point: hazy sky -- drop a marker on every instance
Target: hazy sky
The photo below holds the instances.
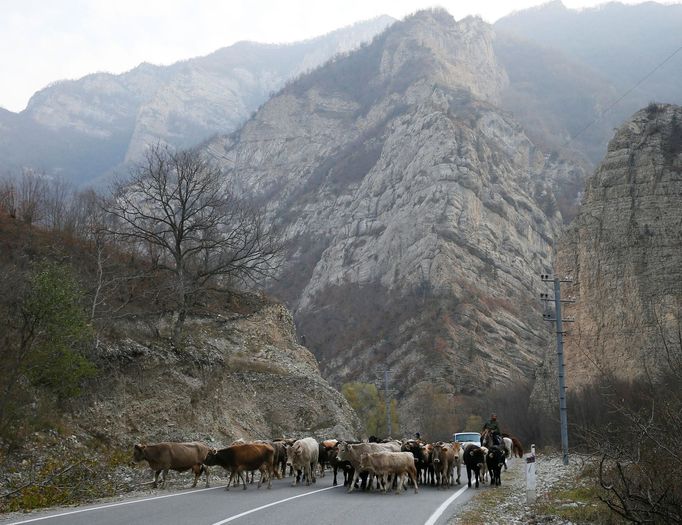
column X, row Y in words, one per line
column 46, row 40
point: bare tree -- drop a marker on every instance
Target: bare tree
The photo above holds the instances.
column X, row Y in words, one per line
column 30, row 196
column 58, row 203
column 177, row 210
column 8, row 196
column 633, row 425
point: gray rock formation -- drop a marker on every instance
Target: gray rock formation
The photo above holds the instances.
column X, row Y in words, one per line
column 624, row 251
column 419, row 214
column 240, row 376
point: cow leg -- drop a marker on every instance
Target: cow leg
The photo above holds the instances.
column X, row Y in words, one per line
column 313, row 472
column 156, row 478
column 196, row 470
column 414, row 482
column 270, row 473
column 165, row 473
column 207, row 472
column 356, row 475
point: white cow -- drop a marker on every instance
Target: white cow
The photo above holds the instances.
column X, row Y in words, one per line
column 303, row 455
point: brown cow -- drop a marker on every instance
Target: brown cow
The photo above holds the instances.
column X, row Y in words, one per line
column 446, row 456
column 180, row 457
column 280, row 460
column 245, row 457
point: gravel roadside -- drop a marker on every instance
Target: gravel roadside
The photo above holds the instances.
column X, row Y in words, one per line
column 506, row 504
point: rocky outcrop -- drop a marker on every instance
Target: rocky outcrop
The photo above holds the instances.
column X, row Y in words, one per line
column 419, row 215
column 238, row 376
column 624, row 251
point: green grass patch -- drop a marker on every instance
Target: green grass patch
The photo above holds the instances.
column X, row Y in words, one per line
column 579, row 504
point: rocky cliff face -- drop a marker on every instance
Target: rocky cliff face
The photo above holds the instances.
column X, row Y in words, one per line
column 102, row 120
column 418, row 214
column 624, row 251
column 239, row 376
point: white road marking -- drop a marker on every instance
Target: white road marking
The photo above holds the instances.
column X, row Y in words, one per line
column 434, row 517
column 114, row 505
column 237, row 516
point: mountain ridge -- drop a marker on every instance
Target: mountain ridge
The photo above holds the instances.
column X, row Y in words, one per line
column 413, row 206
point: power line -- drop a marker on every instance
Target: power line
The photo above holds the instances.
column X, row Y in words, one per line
column 613, row 104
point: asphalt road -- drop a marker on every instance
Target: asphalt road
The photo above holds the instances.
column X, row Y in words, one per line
column 321, row 503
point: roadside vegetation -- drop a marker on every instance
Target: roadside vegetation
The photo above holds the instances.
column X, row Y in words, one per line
column 63, row 471
column 167, row 242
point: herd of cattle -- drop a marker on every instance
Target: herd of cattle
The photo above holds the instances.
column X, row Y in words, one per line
column 382, row 464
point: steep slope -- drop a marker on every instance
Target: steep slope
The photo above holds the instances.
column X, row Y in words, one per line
column 417, row 212
column 239, row 376
column 624, row 251
column 84, row 128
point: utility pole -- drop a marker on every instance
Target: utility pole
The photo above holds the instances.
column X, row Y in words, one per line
column 389, row 430
column 560, row 352
column 386, row 372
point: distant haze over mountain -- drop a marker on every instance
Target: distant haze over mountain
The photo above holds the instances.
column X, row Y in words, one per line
column 621, row 43
column 82, row 129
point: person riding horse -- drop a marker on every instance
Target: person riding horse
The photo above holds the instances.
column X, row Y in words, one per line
column 492, row 430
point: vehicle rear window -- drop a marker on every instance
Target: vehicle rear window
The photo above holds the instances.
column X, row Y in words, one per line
column 467, row 437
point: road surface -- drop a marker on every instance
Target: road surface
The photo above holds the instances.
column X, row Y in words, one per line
column 321, row 503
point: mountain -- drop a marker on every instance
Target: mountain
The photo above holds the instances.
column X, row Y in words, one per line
column 624, row 252
column 621, row 44
column 82, row 129
column 418, row 213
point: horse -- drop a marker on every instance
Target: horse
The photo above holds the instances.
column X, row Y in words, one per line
column 488, row 441
column 517, row 447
